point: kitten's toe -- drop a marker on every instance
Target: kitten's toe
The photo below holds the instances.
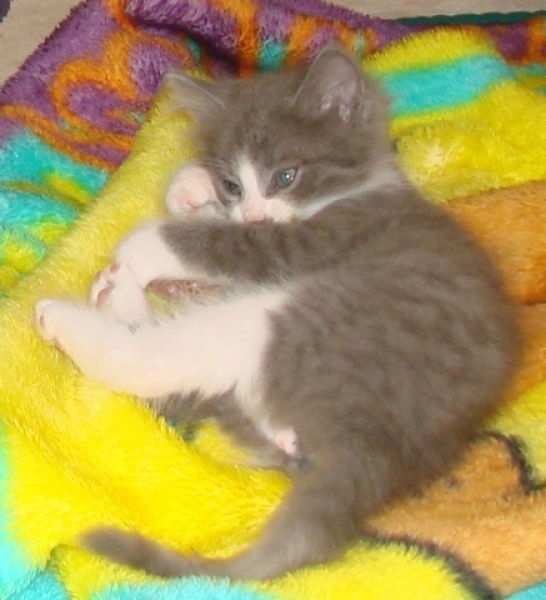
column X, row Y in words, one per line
column 101, row 286
column 117, row 291
column 47, row 314
column 287, row 441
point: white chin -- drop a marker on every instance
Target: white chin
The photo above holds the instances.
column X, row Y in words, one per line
column 276, row 210
column 280, row 211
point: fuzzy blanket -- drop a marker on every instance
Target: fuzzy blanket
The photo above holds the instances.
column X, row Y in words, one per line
column 469, row 117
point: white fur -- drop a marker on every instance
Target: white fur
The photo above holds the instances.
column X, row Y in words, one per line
column 191, row 192
column 256, row 207
column 287, row 440
column 210, row 349
column 148, row 256
column 254, row 203
column 280, row 210
column 116, row 291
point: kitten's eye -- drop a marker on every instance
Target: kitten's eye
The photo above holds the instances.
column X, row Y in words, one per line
column 232, row 188
column 285, row 177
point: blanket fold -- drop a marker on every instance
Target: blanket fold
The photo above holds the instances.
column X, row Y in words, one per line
column 85, row 157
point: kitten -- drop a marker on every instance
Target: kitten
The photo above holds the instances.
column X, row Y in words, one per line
column 364, row 327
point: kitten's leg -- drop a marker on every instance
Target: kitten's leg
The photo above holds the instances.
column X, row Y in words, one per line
column 220, row 251
column 146, row 254
column 103, row 347
column 216, row 252
column 191, row 193
column 211, row 349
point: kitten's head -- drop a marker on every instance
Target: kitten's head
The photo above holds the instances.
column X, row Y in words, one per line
column 286, row 144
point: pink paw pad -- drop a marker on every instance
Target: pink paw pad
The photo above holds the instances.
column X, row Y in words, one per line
column 287, row 441
column 103, row 284
column 45, row 319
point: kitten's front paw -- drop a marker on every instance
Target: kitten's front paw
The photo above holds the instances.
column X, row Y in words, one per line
column 47, row 317
column 191, row 193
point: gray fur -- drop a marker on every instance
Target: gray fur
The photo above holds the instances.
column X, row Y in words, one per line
column 398, row 340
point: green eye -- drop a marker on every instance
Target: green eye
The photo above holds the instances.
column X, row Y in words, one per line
column 285, row 177
column 232, row 188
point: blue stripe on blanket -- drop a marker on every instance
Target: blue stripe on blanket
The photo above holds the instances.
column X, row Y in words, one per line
column 45, row 586
column 537, row 592
column 25, row 210
column 26, row 159
column 443, row 86
column 196, row 588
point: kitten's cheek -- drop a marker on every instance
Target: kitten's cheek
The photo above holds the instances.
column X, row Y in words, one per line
column 281, row 211
column 237, row 214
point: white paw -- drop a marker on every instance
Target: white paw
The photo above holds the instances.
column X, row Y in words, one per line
column 48, row 315
column 102, row 286
column 116, row 290
column 191, row 192
column 287, row 441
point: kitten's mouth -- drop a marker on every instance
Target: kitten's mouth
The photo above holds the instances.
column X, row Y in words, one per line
column 260, row 220
column 269, row 219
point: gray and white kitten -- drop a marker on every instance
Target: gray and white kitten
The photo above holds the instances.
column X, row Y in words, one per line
column 367, row 333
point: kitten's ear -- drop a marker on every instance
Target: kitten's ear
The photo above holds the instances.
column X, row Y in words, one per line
column 333, row 83
column 198, row 97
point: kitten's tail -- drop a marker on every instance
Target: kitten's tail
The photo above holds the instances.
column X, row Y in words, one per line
column 314, row 524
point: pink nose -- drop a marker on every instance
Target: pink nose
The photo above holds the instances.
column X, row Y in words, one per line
column 253, row 215
column 254, row 208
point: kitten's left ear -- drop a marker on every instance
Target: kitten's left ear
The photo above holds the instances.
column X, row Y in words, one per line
column 200, row 98
column 332, row 83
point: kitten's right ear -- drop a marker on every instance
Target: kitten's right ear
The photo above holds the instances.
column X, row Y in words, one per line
column 333, row 83
column 196, row 96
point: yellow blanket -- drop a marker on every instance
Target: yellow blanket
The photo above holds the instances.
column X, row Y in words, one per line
column 75, row 455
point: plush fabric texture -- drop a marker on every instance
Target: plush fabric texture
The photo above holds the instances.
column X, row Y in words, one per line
column 465, row 120
column 74, row 455
column 4, row 8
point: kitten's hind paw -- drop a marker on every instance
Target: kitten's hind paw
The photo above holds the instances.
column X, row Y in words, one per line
column 47, row 314
column 117, row 291
column 102, row 286
column 287, row 441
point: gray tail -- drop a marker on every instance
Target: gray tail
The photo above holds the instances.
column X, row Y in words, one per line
column 314, row 524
